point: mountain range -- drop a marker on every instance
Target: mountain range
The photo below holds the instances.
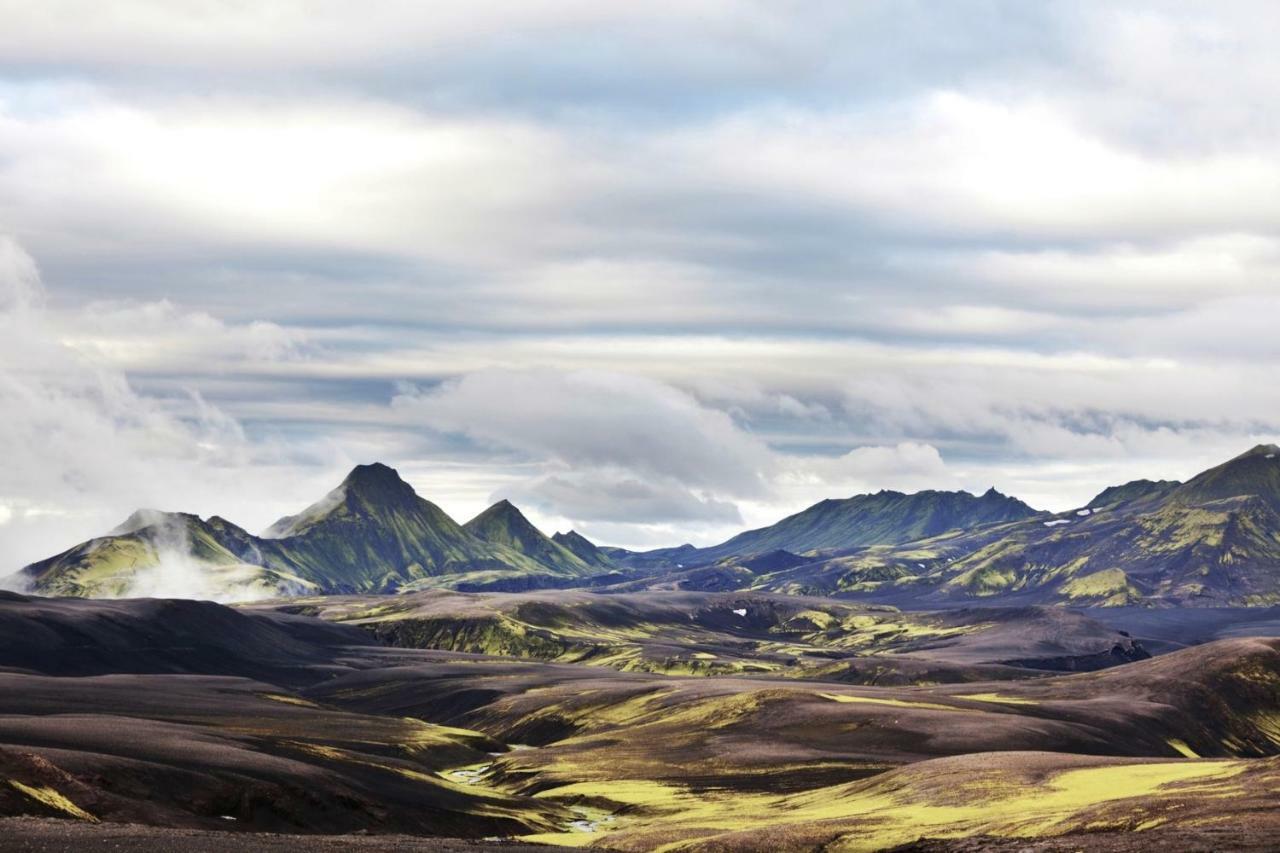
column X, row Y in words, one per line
column 1214, row 540
column 372, row 533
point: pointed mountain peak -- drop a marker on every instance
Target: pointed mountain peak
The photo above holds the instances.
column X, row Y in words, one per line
column 374, row 479
column 992, row 492
column 503, row 514
column 364, row 491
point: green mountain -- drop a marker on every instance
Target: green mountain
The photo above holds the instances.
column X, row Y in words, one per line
column 583, row 548
column 504, row 525
column 375, row 534
column 157, row 554
column 372, row 533
column 882, row 518
column 1213, row 541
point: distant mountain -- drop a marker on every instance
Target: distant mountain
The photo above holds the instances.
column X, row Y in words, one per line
column 1212, row 541
column 1255, row 472
column 159, row 554
column 1136, row 490
column 583, row 548
column 884, row 518
column 372, row 533
column 504, row 525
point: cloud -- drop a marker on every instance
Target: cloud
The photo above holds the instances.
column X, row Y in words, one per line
column 654, row 451
column 803, row 248
column 82, row 446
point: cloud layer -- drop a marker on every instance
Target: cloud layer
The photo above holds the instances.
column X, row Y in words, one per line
column 655, row 272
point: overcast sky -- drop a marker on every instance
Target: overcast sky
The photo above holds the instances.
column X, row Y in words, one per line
column 656, row 271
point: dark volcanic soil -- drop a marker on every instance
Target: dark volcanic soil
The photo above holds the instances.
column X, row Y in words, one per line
column 213, row 726
column 35, row 835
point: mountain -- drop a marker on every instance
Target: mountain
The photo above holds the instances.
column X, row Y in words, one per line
column 1135, row 490
column 884, row 518
column 372, row 533
column 504, row 525
column 157, row 553
column 1255, row 472
column 583, row 548
column 1212, row 541
column 375, row 533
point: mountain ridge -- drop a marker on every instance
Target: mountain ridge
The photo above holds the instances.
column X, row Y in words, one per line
column 880, row 518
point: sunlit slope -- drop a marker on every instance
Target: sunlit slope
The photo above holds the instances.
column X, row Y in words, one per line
column 1212, row 541
column 752, row 764
column 1015, row 795
column 167, row 553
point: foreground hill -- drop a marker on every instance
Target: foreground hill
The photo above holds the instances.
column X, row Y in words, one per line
column 372, row 533
column 196, row 719
column 1212, row 541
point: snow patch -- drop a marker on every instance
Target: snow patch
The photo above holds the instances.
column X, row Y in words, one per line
column 1057, row 521
column 742, row 612
column 1084, row 512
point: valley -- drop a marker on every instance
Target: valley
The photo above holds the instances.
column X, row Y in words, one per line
column 938, row 671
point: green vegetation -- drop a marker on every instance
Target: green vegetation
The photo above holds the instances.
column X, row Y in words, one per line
column 49, row 797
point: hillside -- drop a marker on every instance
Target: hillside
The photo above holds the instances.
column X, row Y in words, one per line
column 884, row 518
column 1213, row 541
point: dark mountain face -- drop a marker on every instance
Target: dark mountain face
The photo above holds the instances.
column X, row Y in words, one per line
column 1136, row 490
column 1256, row 472
column 885, row 518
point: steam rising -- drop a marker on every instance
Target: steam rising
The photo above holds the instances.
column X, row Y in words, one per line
column 179, row 573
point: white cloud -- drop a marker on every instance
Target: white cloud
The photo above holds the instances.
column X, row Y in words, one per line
column 83, row 448
column 1034, row 241
column 614, row 443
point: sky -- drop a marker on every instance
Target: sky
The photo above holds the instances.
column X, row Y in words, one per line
column 654, row 271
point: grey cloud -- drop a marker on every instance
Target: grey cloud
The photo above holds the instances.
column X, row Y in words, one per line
column 805, row 242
